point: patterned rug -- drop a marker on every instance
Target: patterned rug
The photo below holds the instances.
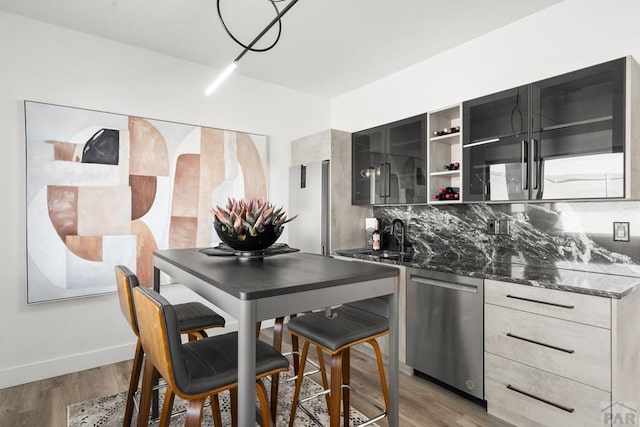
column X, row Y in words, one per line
column 108, row 411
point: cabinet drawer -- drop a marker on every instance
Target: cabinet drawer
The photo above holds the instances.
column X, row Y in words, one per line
column 573, row 350
column 582, row 308
column 526, row 396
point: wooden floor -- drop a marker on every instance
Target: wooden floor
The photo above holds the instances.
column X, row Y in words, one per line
column 44, row 403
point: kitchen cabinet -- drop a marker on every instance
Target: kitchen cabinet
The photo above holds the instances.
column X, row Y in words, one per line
column 389, row 163
column 559, row 358
column 445, row 155
column 566, row 137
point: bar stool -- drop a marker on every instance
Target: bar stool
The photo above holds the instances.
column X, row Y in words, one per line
column 278, row 328
column 197, row 369
column 193, row 319
column 336, row 331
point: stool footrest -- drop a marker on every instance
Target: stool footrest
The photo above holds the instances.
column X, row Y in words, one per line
column 313, row 396
column 362, row 396
column 365, row 397
column 307, row 373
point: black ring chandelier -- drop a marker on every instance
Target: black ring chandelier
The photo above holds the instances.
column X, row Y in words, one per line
column 250, row 46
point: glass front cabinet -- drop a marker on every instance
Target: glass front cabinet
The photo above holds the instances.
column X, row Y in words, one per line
column 560, row 138
column 389, row 163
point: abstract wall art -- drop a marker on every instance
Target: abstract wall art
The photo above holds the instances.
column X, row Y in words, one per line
column 106, row 189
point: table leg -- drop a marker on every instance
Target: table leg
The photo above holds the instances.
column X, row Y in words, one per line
column 275, row 379
column 394, row 364
column 155, row 400
column 247, row 364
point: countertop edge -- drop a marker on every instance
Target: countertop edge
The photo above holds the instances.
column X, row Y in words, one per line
column 536, row 283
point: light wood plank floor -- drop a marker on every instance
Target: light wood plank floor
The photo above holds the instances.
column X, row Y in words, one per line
column 44, row 403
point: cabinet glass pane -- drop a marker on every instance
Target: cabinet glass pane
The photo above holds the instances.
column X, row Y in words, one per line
column 407, row 162
column 497, row 116
column 578, row 134
column 578, row 101
column 572, row 163
column 367, row 156
column 496, row 171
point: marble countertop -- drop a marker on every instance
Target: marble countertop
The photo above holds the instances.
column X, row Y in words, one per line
column 596, row 280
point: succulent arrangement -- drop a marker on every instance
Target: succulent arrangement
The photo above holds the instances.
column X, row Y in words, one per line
column 249, row 217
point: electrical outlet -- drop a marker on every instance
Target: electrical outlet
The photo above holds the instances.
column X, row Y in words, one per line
column 492, row 226
column 621, row 231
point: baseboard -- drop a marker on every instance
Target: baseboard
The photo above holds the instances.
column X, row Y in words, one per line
column 44, row 369
column 23, row 374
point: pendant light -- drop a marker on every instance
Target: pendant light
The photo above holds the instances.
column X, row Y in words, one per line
column 250, row 47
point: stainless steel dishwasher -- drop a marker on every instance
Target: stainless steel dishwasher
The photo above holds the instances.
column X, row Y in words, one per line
column 445, row 327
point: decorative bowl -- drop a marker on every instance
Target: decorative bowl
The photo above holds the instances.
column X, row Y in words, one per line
column 249, row 225
column 248, row 243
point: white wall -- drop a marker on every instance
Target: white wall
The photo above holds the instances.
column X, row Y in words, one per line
column 570, row 35
column 50, row 64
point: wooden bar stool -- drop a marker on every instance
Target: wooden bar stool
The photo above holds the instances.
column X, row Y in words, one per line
column 197, row 369
column 193, row 319
column 336, row 331
column 278, row 329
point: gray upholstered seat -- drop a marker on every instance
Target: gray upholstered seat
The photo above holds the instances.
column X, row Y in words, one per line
column 195, row 316
column 347, row 325
column 212, row 362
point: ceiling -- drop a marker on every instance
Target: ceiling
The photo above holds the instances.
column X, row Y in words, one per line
column 327, row 47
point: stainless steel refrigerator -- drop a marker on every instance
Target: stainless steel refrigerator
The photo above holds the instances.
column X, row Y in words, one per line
column 309, row 198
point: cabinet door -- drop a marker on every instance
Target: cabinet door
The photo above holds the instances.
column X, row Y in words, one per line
column 496, row 170
column 578, row 134
column 496, row 116
column 367, row 163
column 405, row 178
column 496, row 146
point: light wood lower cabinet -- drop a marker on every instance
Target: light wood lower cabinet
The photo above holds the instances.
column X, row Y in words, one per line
column 574, row 350
column 524, row 395
column 553, row 358
column 581, row 308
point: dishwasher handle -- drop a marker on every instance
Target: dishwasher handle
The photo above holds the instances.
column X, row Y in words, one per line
column 462, row 287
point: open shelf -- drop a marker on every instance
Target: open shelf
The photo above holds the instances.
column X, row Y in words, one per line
column 445, row 172
column 448, row 138
column 444, row 150
column 444, row 202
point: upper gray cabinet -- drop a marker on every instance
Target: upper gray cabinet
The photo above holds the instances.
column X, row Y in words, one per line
column 389, row 163
column 566, row 137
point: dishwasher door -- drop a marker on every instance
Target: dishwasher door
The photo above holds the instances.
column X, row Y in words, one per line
column 445, row 327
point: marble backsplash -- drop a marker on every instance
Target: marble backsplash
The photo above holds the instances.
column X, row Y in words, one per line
column 571, row 235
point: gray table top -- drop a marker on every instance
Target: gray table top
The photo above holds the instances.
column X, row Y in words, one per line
column 272, row 276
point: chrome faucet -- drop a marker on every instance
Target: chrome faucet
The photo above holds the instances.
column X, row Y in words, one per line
column 393, row 233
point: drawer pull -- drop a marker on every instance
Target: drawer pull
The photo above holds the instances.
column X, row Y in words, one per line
column 548, row 402
column 509, row 334
column 542, row 302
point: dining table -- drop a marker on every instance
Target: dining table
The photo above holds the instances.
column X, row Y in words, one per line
column 252, row 290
